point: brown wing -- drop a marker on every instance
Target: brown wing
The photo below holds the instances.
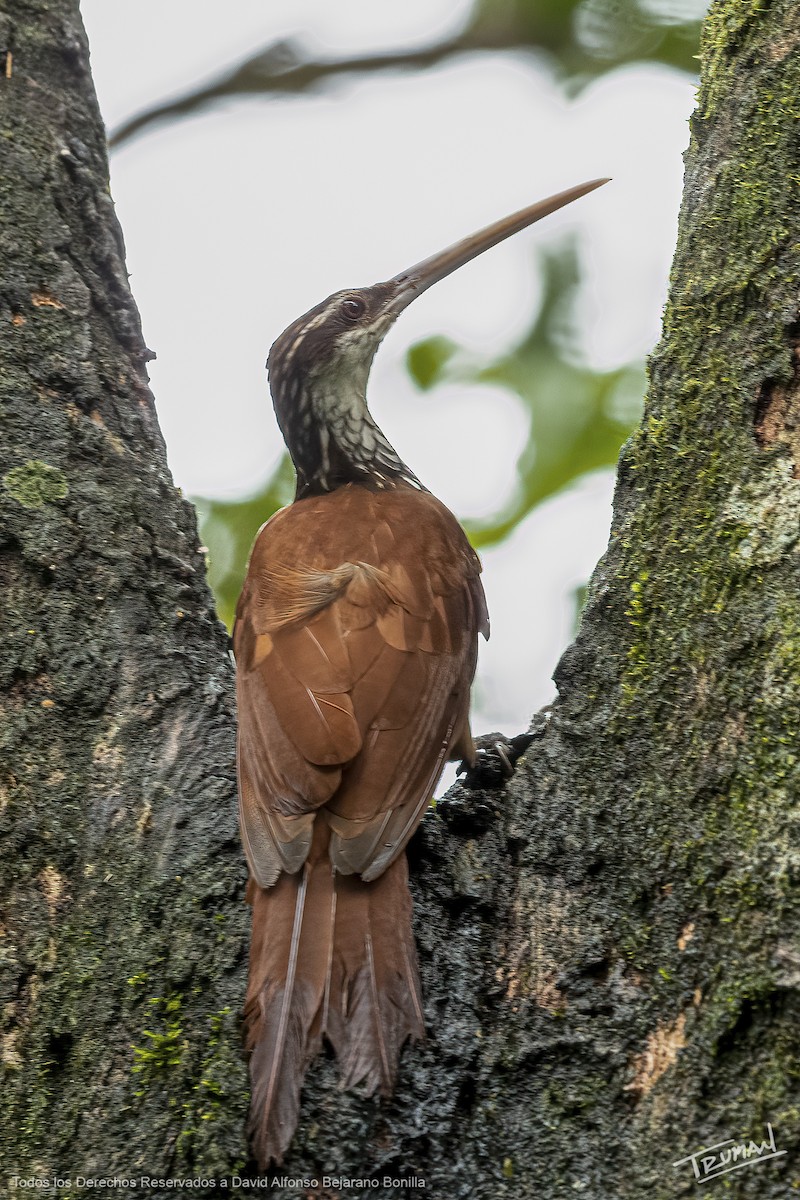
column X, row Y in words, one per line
column 356, row 641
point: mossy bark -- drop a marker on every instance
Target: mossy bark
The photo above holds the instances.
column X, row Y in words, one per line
column 609, row 943
column 121, row 872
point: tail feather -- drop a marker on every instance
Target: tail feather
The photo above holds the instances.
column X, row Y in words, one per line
column 375, row 993
column 331, row 956
column 283, row 999
column 286, row 1042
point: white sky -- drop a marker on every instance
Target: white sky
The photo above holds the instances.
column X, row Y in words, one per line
column 238, row 220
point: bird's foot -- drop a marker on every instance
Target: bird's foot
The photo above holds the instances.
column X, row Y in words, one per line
column 495, row 759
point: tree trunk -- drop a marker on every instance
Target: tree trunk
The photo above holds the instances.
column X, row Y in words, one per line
column 609, row 943
column 122, row 876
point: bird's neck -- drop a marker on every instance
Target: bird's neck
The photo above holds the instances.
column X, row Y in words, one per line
column 335, row 440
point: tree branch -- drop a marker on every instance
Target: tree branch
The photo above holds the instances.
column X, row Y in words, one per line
column 283, row 70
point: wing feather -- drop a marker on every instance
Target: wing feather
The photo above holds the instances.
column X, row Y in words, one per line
column 321, row 725
column 354, row 674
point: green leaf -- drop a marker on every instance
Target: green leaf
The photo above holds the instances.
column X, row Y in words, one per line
column 426, row 361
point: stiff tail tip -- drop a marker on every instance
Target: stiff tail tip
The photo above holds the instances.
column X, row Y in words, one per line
column 333, row 958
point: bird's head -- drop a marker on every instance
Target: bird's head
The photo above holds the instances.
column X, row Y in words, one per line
column 331, row 346
column 319, row 366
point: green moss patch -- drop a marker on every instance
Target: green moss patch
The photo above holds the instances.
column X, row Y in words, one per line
column 35, row 484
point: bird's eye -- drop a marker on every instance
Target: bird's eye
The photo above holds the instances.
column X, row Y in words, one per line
column 353, row 308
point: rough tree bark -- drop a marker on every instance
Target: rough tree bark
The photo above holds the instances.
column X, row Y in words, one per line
column 609, row 943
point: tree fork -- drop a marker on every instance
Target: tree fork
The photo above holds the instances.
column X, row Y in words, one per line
column 609, row 943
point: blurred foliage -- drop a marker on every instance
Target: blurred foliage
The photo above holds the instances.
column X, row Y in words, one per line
column 583, row 38
column 587, row 37
column 578, row 421
column 578, row 418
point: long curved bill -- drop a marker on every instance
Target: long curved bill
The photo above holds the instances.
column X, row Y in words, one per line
column 419, row 278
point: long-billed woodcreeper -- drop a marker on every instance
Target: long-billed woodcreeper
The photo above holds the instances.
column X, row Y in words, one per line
column 356, row 643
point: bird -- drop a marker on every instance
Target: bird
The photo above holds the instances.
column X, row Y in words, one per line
column 356, row 640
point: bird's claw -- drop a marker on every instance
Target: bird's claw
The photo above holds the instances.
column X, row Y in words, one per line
column 502, row 749
column 495, row 759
